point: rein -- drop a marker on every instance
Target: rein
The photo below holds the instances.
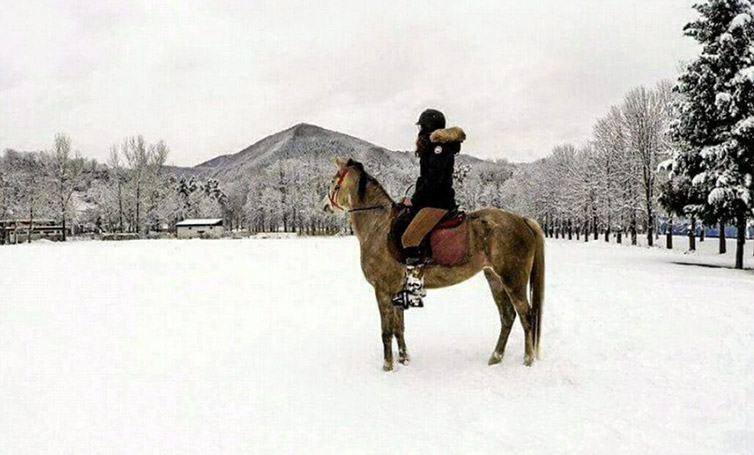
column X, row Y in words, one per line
column 371, row 207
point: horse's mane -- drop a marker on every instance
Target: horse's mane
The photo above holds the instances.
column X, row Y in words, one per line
column 365, row 179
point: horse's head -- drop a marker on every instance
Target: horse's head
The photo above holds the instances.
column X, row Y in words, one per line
column 345, row 185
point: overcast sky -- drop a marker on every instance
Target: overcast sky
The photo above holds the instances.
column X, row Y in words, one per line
column 211, row 77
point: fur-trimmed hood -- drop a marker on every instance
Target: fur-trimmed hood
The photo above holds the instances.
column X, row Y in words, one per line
column 453, row 134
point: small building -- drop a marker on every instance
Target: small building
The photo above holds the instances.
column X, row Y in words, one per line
column 17, row 231
column 198, row 228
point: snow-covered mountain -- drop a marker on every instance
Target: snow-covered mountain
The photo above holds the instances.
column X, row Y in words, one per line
column 302, row 141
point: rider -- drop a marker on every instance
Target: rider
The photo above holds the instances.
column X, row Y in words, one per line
column 434, row 198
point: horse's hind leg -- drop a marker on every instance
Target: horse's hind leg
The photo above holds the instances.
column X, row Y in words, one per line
column 520, row 302
column 507, row 314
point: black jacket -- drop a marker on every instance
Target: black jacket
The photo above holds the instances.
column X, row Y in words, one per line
column 434, row 188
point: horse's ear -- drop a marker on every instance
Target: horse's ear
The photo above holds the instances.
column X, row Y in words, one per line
column 355, row 164
column 340, row 162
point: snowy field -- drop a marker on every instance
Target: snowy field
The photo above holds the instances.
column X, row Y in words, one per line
column 273, row 346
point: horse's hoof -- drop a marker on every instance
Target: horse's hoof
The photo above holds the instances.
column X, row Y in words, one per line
column 387, row 366
column 528, row 360
column 404, row 358
column 495, row 358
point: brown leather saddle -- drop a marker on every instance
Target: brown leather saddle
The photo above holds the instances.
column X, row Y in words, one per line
column 446, row 244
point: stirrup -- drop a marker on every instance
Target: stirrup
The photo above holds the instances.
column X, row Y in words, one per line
column 406, row 299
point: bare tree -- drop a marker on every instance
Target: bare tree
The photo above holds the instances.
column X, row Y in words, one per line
column 646, row 117
column 609, row 146
column 146, row 164
column 117, row 176
column 66, row 172
column 32, row 194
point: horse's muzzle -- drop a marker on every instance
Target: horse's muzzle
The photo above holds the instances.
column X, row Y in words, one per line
column 326, row 205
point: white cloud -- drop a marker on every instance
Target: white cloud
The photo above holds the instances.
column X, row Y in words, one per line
column 211, row 77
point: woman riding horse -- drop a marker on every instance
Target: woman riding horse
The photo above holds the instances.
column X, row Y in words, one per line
column 510, row 249
column 433, row 199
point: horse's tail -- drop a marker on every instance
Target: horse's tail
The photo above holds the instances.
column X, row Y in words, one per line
column 537, row 282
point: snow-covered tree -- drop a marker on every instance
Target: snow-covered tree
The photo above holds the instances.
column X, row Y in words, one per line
column 66, row 172
column 609, row 147
column 715, row 124
column 646, row 116
column 146, row 179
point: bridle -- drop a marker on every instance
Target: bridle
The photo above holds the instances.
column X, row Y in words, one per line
column 333, row 196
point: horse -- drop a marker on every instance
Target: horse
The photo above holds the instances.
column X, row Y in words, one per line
column 508, row 248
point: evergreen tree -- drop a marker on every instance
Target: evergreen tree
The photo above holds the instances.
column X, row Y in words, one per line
column 715, row 122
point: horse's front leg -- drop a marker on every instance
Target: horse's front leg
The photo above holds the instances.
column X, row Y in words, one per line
column 398, row 329
column 387, row 317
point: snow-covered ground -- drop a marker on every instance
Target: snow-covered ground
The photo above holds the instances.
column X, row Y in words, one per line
column 706, row 253
column 273, row 346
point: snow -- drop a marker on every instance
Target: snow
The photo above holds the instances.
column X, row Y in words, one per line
column 699, row 178
column 718, row 195
column 710, row 151
column 740, row 21
column 744, row 127
column 665, row 165
column 273, row 346
column 721, row 99
column 747, row 73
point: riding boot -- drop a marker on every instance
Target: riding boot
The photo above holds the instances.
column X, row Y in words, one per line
column 415, row 280
column 413, row 288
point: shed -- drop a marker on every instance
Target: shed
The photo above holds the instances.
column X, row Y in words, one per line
column 199, row 227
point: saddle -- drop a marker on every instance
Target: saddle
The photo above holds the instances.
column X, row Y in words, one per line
column 446, row 244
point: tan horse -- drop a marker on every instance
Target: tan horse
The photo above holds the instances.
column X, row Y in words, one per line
column 507, row 247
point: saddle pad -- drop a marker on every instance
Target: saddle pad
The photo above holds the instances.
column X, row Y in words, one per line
column 448, row 241
column 450, row 246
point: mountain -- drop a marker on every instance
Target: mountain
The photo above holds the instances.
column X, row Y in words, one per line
column 301, row 141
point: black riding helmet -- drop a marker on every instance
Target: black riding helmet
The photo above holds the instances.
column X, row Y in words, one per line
column 430, row 120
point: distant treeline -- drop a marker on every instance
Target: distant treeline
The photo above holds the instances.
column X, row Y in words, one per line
column 135, row 192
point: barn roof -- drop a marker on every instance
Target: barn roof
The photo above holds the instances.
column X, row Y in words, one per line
column 201, row 222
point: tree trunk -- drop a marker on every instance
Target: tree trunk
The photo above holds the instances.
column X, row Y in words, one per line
column 608, row 228
column 632, row 229
column 634, row 234
column 692, row 234
column 669, row 235
column 721, row 237
column 570, row 229
column 31, row 224
column 138, row 207
column 702, row 233
column 650, row 230
column 620, row 239
column 741, row 239
column 120, row 208
column 63, row 226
